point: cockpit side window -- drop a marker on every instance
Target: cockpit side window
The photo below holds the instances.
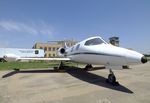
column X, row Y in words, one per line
column 94, row 41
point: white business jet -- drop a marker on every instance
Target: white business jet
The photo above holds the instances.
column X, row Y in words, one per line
column 95, row 50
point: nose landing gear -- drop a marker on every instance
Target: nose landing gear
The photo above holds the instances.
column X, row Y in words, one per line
column 112, row 79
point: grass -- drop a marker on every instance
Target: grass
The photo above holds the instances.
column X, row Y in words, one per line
column 31, row 65
column 148, row 58
column 25, row 65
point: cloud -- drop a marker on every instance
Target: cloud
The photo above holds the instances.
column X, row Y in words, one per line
column 34, row 28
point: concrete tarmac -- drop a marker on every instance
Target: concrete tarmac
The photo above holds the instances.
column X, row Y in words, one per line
column 75, row 86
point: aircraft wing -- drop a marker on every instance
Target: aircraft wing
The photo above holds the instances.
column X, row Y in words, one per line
column 46, row 59
column 15, row 58
column 12, row 57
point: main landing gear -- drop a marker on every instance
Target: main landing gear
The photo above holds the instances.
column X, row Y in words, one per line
column 60, row 67
column 112, row 79
column 88, row 67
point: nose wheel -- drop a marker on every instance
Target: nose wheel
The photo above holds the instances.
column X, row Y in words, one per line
column 112, row 79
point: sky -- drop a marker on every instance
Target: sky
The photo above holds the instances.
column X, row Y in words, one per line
column 25, row 22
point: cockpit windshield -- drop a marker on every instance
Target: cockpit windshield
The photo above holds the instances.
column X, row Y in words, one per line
column 95, row 41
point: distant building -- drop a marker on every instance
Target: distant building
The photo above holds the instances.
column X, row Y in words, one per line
column 52, row 47
column 114, row 41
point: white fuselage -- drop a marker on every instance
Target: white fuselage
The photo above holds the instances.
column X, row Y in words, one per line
column 102, row 54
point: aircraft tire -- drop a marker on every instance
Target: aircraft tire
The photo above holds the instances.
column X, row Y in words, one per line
column 88, row 67
column 111, row 78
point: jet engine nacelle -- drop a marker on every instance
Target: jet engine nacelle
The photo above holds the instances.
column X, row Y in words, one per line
column 10, row 57
column 61, row 52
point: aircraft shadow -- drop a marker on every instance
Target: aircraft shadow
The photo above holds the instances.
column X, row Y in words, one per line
column 15, row 71
column 95, row 79
column 77, row 73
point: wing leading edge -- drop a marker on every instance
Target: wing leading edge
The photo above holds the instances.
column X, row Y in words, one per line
column 46, row 59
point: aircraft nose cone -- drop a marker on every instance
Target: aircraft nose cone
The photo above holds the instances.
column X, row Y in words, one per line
column 143, row 59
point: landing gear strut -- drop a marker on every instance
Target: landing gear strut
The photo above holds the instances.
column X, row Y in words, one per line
column 60, row 66
column 88, row 67
column 111, row 78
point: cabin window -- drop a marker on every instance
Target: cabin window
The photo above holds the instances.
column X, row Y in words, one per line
column 36, row 52
column 94, row 41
